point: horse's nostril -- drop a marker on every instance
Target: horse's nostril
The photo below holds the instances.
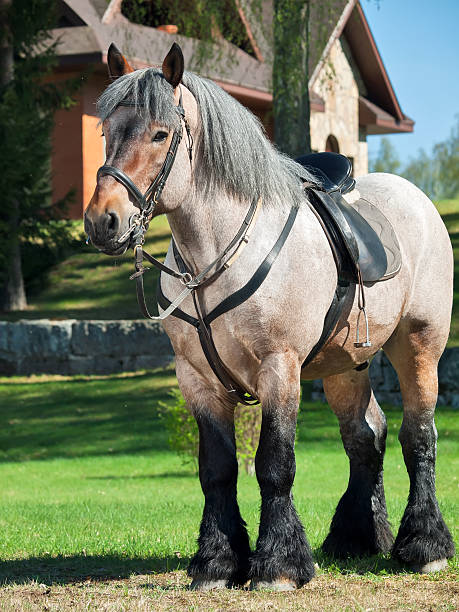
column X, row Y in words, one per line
column 113, row 222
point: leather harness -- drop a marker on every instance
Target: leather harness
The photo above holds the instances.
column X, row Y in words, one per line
column 138, row 225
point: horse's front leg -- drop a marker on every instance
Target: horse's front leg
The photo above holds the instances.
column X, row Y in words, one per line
column 223, row 554
column 283, row 559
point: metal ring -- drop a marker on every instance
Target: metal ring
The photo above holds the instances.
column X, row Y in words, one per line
column 186, row 278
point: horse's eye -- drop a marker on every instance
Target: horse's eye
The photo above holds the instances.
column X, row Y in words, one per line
column 159, row 137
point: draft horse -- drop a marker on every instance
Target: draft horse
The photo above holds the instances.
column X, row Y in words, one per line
column 177, row 144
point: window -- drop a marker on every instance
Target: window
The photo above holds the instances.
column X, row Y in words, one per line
column 332, row 145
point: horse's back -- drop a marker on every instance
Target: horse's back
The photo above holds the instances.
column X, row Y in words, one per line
column 425, row 245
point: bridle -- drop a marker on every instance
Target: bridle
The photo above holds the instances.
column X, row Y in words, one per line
column 146, row 202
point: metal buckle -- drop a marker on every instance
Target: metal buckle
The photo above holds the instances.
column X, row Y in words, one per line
column 186, row 278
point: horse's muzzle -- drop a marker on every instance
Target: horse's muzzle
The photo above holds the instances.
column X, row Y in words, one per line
column 105, row 231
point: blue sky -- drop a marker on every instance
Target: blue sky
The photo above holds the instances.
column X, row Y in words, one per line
column 419, row 43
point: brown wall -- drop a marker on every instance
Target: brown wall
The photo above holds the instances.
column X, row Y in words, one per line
column 78, row 146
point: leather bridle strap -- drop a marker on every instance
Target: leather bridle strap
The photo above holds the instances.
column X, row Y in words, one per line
column 147, row 201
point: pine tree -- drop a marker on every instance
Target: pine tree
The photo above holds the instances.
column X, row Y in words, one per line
column 27, row 105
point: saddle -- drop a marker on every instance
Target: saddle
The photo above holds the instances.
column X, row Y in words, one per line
column 361, row 237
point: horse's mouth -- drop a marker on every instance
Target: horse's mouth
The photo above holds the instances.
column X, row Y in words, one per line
column 116, row 249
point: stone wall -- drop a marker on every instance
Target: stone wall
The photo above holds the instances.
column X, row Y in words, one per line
column 384, row 380
column 82, row 347
column 105, row 347
column 337, row 86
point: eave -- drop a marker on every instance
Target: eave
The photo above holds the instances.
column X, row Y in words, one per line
column 368, row 59
column 378, row 121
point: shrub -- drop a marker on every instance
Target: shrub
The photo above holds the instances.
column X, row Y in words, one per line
column 181, row 427
column 184, row 437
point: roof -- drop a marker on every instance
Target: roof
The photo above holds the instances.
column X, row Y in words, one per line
column 91, row 25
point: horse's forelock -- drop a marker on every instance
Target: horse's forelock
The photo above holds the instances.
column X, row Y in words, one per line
column 148, row 90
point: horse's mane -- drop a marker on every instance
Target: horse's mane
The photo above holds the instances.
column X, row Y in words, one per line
column 233, row 152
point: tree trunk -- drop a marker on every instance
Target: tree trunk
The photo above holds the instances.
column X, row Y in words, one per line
column 291, row 76
column 12, row 295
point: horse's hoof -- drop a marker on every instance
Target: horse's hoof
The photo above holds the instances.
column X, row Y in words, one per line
column 432, row 566
column 281, row 584
column 201, row 584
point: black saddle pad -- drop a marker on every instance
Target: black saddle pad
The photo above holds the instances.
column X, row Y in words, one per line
column 364, row 232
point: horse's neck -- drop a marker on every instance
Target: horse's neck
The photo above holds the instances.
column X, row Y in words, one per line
column 204, row 228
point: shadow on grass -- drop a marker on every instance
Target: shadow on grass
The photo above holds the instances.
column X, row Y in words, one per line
column 184, row 474
column 81, row 417
column 376, row 564
column 81, row 568
column 65, row 570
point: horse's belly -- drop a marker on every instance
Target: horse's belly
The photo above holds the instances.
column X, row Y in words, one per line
column 384, row 307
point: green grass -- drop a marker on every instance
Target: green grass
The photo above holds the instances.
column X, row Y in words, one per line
column 89, row 285
column 90, row 488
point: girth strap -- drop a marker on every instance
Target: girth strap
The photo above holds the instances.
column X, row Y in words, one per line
column 203, row 322
column 331, row 319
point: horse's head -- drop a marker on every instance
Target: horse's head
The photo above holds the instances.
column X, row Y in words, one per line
column 146, row 115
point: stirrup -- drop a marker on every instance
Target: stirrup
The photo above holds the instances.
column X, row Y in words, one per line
column 361, row 303
column 367, row 342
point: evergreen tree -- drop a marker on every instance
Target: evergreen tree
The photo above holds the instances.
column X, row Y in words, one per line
column 446, row 156
column 386, row 160
column 27, row 106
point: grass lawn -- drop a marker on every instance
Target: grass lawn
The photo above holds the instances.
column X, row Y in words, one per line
column 96, row 512
column 89, row 285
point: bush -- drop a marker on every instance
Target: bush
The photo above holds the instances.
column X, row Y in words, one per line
column 181, row 427
column 55, row 241
column 184, row 437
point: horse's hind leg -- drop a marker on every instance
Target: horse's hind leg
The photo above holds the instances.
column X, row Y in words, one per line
column 359, row 526
column 223, row 554
column 423, row 541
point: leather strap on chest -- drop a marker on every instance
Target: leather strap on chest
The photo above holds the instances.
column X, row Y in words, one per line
column 202, row 322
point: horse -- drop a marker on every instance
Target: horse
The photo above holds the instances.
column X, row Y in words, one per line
column 206, row 183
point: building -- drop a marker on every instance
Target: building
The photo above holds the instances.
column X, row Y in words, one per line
column 350, row 91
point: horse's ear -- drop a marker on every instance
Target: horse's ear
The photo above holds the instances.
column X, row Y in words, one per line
column 174, row 65
column 117, row 63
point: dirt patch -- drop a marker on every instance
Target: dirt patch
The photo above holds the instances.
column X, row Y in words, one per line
column 168, row 591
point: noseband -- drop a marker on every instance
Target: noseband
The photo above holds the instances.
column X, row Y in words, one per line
column 146, row 202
